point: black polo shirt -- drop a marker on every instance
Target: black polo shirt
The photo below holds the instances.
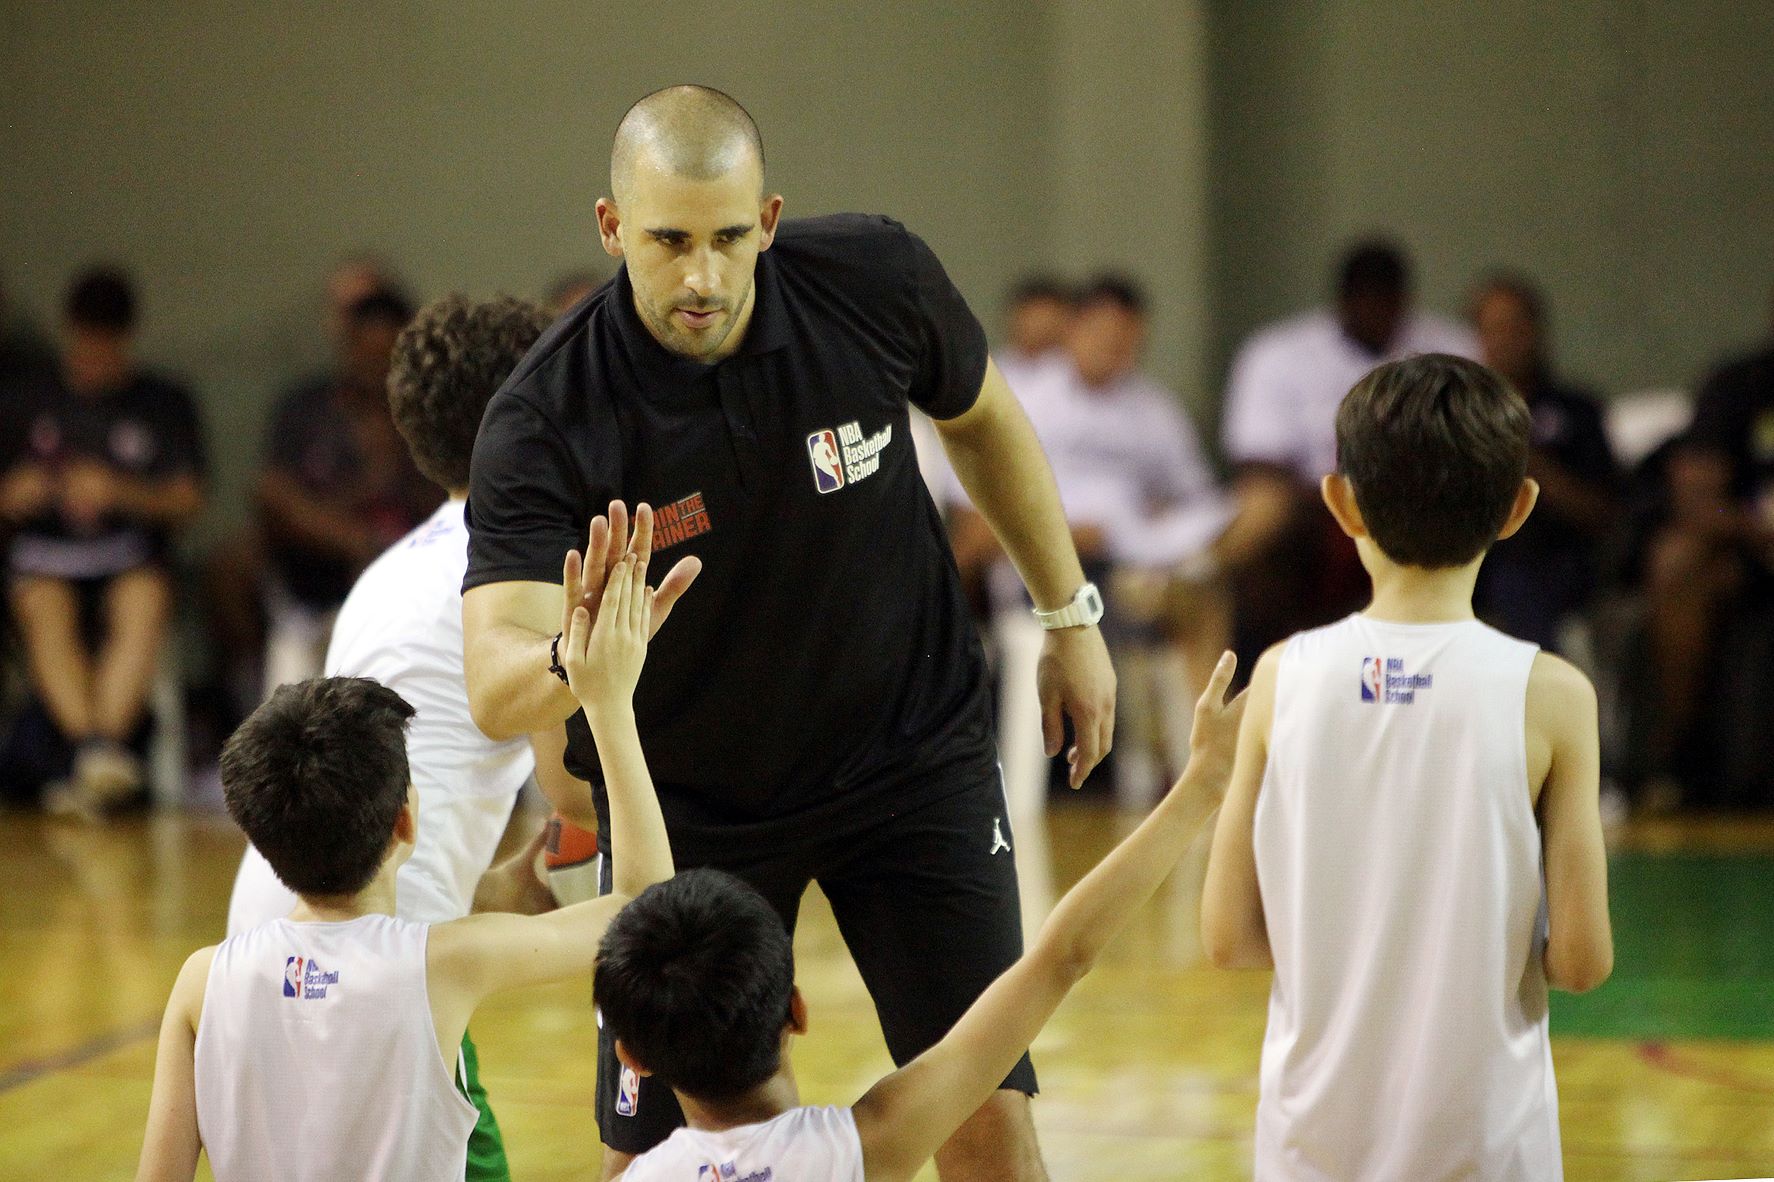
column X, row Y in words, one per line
column 824, row 666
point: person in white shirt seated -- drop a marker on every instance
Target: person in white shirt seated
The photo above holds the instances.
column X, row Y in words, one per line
column 1292, row 568
column 1146, row 512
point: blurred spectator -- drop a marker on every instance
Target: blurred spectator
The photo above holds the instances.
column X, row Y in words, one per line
column 568, row 290
column 1292, row 568
column 102, row 462
column 1145, row 513
column 1537, row 579
column 337, row 489
column 1038, row 322
column 235, row 575
column 1710, row 585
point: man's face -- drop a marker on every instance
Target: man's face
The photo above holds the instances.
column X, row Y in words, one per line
column 692, row 250
column 1372, row 316
column 1105, row 341
column 1038, row 324
column 1507, row 335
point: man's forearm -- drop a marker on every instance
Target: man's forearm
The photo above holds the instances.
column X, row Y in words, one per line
column 510, row 689
column 1000, row 463
column 640, row 851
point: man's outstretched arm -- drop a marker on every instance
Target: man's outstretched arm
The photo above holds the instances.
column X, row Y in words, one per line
column 904, row 1118
column 1000, row 463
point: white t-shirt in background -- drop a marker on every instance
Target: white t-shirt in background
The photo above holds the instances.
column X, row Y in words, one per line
column 1288, row 378
column 402, row 626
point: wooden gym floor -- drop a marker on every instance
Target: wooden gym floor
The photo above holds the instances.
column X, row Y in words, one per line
column 1148, row 1072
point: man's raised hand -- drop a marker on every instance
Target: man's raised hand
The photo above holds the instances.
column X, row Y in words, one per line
column 603, row 659
column 584, row 577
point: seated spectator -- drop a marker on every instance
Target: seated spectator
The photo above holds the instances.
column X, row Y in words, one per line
column 1145, row 512
column 337, row 489
column 1709, row 567
column 1291, row 567
column 1039, row 320
column 102, row 462
column 568, row 290
column 1534, row 581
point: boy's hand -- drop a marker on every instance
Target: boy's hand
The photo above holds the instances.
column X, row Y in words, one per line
column 1213, row 741
column 603, row 660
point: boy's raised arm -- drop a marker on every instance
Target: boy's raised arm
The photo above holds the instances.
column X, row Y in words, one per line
column 482, row 954
column 171, row 1146
column 904, row 1118
column 1580, row 939
column 1233, row 931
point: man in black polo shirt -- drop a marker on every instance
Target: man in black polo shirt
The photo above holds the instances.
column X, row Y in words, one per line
column 822, row 714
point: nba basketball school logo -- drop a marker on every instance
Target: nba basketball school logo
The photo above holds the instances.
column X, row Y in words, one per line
column 1383, row 679
column 846, row 455
column 305, row 980
column 728, row 1171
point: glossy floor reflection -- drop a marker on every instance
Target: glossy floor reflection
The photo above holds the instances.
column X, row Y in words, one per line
column 1148, row 1072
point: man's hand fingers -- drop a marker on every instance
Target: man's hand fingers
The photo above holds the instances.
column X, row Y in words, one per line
column 641, row 545
column 597, row 550
column 618, row 535
column 1088, row 749
column 637, row 592
column 1053, row 730
column 676, row 582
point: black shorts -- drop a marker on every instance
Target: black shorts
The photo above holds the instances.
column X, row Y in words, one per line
column 927, row 903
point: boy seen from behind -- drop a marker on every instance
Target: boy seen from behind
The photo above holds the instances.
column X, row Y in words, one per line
column 1412, row 837
column 695, row 981
column 333, row 1037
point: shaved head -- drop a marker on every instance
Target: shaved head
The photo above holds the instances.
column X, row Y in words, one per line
column 694, row 132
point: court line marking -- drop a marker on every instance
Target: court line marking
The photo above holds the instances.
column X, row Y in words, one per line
column 1661, row 1057
column 32, row 1070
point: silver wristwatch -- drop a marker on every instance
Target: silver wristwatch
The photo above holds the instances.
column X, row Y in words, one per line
column 1085, row 609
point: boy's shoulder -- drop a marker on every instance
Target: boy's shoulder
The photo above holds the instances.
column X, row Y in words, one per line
column 1559, row 693
column 193, row 980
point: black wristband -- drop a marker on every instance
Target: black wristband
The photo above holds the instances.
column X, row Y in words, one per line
column 554, row 661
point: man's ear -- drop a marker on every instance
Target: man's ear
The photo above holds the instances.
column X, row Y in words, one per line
column 797, row 1012
column 629, row 1061
column 768, row 217
column 1339, row 498
column 609, row 221
column 1526, row 497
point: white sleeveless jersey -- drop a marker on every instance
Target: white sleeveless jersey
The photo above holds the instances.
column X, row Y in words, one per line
column 1399, row 861
column 317, row 1057
column 801, row 1145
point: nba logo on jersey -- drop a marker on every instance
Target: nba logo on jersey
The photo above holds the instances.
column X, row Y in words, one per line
column 713, row 1173
column 1372, row 679
column 828, row 469
column 292, row 977
column 628, row 1093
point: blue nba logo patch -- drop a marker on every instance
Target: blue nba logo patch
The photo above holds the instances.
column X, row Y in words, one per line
column 1372, row 679
column 828, row 467
column 628, row 1093
column 292, row 977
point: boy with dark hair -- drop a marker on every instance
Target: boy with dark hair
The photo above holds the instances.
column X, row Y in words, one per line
column 333, row 1037
column 695, row 983
column 1413, row 792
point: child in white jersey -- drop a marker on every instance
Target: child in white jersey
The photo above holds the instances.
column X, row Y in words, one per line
column 1412, row 837
column 328, row 1044
column 695, row 980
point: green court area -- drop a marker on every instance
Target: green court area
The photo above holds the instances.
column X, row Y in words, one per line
column 1693, row 951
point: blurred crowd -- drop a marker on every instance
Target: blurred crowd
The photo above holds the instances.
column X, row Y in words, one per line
column 1649, row 561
